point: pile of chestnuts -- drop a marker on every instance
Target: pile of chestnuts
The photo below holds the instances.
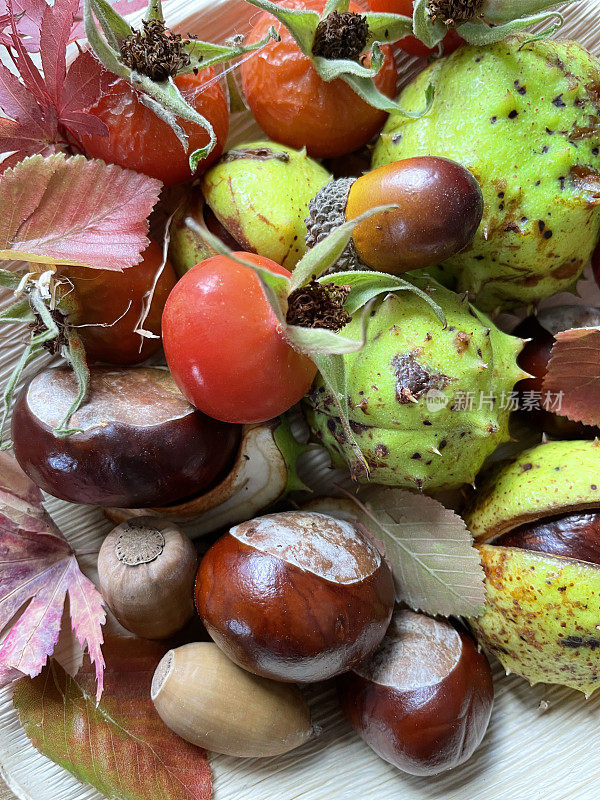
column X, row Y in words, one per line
column 294, row 598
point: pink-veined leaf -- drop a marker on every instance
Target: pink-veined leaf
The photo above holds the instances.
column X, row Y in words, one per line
column 38, row 569
column 122, row 747
column 572, row 382
column 60, row 210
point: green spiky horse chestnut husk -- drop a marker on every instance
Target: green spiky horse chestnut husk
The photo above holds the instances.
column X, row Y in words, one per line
column 523, row 116
column 410, row 391
column 259, row 192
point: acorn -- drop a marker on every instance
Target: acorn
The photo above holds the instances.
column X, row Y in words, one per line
column 423, row 700
column 254, row 199
column 296, row 596
column 209, row 701
column 536, row 522
column 540, row 329
column 146, row 568
column 439, row 208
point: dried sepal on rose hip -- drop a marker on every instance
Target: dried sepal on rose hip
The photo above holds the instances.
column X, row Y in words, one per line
column 536, row 522
column 330, row 81
column 482, row 22
column 152, row 57
column 260, row 358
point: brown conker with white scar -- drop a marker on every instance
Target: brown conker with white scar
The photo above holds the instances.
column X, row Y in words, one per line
column 139, row 442
column 296, row 596
column 423, row 700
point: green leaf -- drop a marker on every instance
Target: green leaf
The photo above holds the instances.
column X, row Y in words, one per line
column 121, row 746
column 482, row 34
column 300, row 23
column 276, row 287
column 313, row 341
column 366, row 89
column 324, row 254
column 333, row 372
column 9, row 279
column 388, row 27
column 205, row 54
column 114, row 26
column 17, row 312
column 331, row 68
column 430, row 33
column 430, row 549
column 335, row 5
column 74, row 353
column 367, row 285
column 154, row 11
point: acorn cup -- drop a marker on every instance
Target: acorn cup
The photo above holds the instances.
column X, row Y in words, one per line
column 264, row 470
column 536, row 522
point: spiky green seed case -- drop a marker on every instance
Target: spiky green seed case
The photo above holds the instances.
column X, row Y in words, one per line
column 408, row 360
column 541, row 613
column 524, row 118
column 263, row 200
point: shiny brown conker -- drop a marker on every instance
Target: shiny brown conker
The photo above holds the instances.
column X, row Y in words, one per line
column 541, row 329
column 423, row 700
column 140, row 442
column 296, row 596
column 440, row 206
column 572, row 535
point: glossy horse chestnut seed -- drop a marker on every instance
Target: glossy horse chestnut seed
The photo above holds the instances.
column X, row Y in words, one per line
column 572, row 535
column 440, row 206
column 296, row 596
column 423, row 700
column 140, row 442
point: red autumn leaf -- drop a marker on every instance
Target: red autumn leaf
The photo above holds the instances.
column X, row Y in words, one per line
column 121, row 747
column 28, row 15
column 47, row 110
column 572, row 382
column 38, row 569
column 103, row 212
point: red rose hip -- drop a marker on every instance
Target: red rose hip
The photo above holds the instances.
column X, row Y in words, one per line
column 297, row 596
column 424, row 698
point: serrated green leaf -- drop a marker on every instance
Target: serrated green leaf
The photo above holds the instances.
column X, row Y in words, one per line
column 481, row 34
column 205, row 54
column 300, row 23
column 324, row 254
column 333, row 372
column 431, row 551
column 388, row 27
column 365, row 286
column 430, row 33
column 276, row 287
column 366, row 89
